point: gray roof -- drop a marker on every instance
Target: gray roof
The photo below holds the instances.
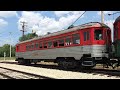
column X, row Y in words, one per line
column 75, row 28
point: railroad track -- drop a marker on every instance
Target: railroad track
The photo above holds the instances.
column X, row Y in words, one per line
column 3, row 76
column 94, row 71
column 14, row 74
column 102, row 72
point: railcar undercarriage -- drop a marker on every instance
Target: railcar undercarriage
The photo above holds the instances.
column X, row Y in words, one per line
column 70, row 63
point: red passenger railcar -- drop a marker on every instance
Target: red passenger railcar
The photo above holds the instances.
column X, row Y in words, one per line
column 83, row 45
column 117, row 29
column 117, row 38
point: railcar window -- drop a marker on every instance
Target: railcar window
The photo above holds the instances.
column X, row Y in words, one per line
column 98, row 34
column 76, row 39
column 40, row 46
column 50, row 44
column 36, row 45
column 29, row 46
column 55, row 43
column 85, row 33
column 68, row 41
column 61, row 42
column 32, row 46
column 86, row 36
column 26, row 47
column 45, row 45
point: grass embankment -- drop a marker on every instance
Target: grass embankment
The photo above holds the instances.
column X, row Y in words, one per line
column 7, row 58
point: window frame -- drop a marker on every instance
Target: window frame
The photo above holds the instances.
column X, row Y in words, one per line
column 62, row 38
column 33, row 45
column 45, row 44
column 75, row 40
column 40, row 45
column 56, row 40
column 37, row 45
column 48, row 44
column 71, row 41
column 100, row 29
column 86, row 37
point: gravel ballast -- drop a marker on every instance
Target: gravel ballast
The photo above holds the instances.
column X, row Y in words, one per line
column 57, row 74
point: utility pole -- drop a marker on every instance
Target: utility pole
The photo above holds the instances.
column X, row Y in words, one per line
column 23, row 28
column 4, row 55
column 102, row 17
column 10, row 44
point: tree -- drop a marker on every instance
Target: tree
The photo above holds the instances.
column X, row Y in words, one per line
column 13, row 51
column 1, row 52
column 6, row 48
column 28, row 36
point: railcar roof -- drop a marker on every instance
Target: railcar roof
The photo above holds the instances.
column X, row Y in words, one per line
column 75, row 28
column 117, row 19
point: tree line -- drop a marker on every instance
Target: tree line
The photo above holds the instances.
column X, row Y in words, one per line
column 6, row 48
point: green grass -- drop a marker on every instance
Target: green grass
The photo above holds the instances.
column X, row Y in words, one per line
column 7, row 58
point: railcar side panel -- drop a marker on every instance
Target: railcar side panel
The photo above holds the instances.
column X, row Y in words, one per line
column 76, row 52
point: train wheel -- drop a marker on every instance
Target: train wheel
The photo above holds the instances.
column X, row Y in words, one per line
column 35, row 63
column 67, row 64
column 27, row 62
column 21, row 61
column 60, row 64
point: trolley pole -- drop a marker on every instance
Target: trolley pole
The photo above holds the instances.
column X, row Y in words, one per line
column 102, row 17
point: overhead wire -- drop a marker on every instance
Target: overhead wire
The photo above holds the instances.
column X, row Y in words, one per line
column 76, row 20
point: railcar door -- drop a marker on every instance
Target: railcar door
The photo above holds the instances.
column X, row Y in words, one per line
column 86, row 37
column 108, row 40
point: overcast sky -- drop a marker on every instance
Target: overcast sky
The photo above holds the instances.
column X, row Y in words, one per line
column 45, row 21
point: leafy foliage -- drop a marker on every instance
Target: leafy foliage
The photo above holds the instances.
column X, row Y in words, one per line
column 28, row 36
column 6, row 48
